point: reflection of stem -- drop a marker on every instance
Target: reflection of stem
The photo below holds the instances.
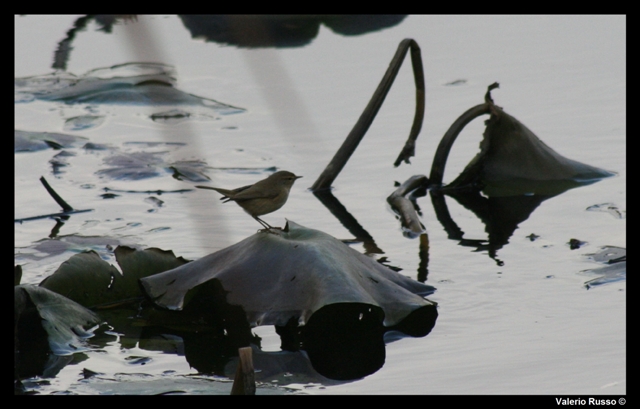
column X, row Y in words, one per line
column 56, row 228
column 61, row 55
column 423, row 267
column 444, row 217
column 347, row 220
column 350, row 144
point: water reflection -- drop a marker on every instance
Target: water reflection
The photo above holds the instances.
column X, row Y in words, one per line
column 511, row 176
column 500, row 215
column 324, row 298
column 254, row 31
column 250, row 31
column 338, row 346
column 348, row 221
column 131, row 84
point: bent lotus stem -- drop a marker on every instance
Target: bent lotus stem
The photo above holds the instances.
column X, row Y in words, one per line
column 442, row 153
column 350, row 144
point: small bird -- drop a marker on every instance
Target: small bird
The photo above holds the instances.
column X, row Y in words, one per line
column 263, row 197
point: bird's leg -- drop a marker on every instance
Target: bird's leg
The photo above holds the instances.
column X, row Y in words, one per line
column 263, row 223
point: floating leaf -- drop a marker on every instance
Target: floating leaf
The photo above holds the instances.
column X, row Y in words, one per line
column 610, row 208
column 91, row 281
column 83, row 122
column 278, row 275
column 192, row 170
column 63, row 319
column 322, row 296
column 126, row 84
column 615, row 270
column 25, row 141
column 133, row 166
column 145, row 165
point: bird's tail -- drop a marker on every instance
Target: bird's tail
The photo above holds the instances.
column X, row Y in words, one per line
column 223, row 192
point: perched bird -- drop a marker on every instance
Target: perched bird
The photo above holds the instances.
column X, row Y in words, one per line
column 263, row 197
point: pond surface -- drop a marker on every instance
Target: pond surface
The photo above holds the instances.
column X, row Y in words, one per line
column 522, row 322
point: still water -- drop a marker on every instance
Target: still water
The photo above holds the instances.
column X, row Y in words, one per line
column 523, row 322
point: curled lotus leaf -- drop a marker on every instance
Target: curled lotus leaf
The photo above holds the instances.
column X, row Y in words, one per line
column 281, row 275
column 512, row 159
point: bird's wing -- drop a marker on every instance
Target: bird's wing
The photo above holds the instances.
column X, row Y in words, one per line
column 255, row 191
column 252, row 194
column 233, row 194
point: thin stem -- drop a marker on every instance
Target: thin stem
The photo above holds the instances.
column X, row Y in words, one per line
column 65, row 206
column 350, row 144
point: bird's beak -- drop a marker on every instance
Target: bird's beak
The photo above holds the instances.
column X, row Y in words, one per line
column 298, row 177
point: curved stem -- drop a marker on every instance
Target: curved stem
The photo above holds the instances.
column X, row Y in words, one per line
column 350, row 144
column 442, row 153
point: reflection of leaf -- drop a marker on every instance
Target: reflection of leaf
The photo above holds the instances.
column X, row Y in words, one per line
column 62, row 318
column 610, row 208
column 174, row 116
column 609, row 254
column 126, row 84
column 190, row 170
column 72, row 244
column 145, row 165
column 280, row 30
column 132, row 166
column 91, row 281
column 615, row 270
column 79, row 123
column 59, row 161
column 35, row 141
